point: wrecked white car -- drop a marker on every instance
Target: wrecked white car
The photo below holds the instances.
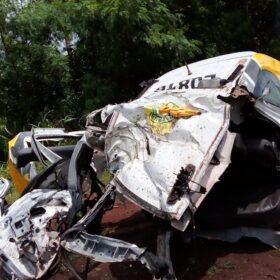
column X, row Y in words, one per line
column 199, row 149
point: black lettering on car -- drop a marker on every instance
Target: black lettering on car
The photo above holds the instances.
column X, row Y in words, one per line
column 171, row 87
column 212, row 76
column 195, row 81
column 184, row 84
column 160, row 88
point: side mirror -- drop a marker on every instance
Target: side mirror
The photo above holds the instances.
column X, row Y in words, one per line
column 4, row 187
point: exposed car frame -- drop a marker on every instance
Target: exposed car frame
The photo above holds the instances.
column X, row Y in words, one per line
column 178, row 152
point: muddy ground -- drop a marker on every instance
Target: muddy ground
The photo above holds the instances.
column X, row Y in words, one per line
column 248, row 259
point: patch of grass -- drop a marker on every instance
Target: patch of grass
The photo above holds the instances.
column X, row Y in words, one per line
column 4, row 172
column 5, row 136
column 106, row 177
column 212, row 271
column 275, row 252
column 13, row 195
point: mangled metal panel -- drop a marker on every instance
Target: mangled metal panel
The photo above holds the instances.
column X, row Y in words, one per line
column 27, row 147
column 4, row 187
column 166, row 150
column 178, row 122
column 29, row 239
column 261, row 78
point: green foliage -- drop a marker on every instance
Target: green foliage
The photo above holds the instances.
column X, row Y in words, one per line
column 34, row 75
column 5, row 136
column 61, row 59
column 230, row 26
column 70, row 57
column 4, row 172
column 128, row 41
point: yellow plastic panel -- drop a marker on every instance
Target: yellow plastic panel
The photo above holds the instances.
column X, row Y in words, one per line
column 268, row 63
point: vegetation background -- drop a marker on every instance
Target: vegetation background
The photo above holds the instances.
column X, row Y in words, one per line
column 61, row 59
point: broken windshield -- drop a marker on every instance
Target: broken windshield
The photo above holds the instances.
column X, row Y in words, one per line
column 272, row 94
column 264, row 78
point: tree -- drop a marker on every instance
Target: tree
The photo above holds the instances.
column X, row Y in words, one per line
column 68, row 57
column 61, row 59
column 231, row 26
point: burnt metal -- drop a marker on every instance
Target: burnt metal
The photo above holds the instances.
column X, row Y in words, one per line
column 181, row 185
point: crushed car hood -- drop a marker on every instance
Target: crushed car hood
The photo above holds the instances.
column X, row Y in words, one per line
column 176, row 126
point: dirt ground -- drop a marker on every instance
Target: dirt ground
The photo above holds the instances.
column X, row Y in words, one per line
column 248, row 259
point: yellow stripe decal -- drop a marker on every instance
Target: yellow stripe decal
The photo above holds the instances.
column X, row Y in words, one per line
column 17, row 178
column 13, row 141
column 19, row 181
column 268, row 63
